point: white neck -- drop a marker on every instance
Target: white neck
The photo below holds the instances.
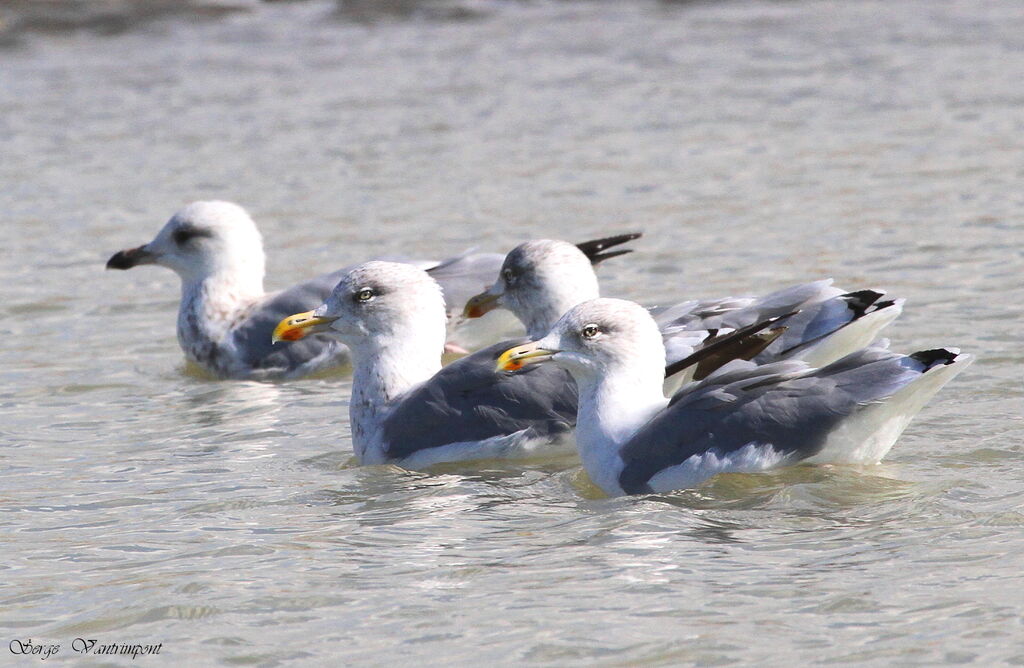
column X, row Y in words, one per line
column 385, row 368
column 612, row 408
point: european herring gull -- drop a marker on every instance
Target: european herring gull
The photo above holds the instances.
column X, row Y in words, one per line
column 225, row 319
column 542, row 279
column 405, row 409
column 743, row 417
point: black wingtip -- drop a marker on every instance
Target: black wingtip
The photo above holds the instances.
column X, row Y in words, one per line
column 934, row 357
column 861, row 300
column 593, row 248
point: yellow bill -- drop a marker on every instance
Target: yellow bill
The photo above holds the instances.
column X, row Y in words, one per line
column 299, row 326
column 516, row 358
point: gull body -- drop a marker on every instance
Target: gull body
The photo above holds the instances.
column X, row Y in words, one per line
column 542, row 279
column 743, row 417
column 405, row 409
column 225, row 318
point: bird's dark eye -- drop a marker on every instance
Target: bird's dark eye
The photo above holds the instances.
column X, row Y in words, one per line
column 364, row 295
column 590, row 331
column 182, row 236
column 508, row 276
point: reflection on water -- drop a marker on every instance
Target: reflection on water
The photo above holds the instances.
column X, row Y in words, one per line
column 257, row 404
column 428, row 10
column 757, row 144
column 113, row 17
column 107, row 17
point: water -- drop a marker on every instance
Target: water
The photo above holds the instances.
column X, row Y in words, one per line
column 757, row 145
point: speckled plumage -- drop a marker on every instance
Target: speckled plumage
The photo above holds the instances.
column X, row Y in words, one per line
column 225, row 318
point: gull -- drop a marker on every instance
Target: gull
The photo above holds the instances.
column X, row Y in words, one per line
column 405, row 409
column 743, row 417
column 225, row 318
column 541, row 279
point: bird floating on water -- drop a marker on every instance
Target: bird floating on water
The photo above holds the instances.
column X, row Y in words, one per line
column 225, row 318
column 405, row 409
column 743, row 417
column 542, row 279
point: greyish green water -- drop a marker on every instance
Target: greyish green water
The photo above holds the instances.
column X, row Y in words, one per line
column 757, row 144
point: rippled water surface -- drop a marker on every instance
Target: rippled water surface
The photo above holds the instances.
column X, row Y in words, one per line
column 756, row 143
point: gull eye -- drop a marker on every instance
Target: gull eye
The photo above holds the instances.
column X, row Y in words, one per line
column 590, row 331
column 182, row 236
column 508, row 276
column 364, row 295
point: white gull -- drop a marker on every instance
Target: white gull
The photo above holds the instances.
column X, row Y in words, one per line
column 405, row 409
column 743, row 417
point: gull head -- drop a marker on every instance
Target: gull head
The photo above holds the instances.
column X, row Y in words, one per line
column 375, row 302
column 597, row 338
column 200, row 240
column 539, row 281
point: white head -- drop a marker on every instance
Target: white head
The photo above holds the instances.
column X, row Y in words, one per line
column 539, row 281
column 201, row 240
column 380, row 305
column 597, row 339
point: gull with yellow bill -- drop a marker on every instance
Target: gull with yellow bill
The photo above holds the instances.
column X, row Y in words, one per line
column 405, row 409
column 542, row 279
column 742, row 418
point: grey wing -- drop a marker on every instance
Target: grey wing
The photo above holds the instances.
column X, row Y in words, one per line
column 825, row 330
column 783, row 404
column 823, row 311
column 469, row 401
column 465, row 275
column 252, row 337
column 736, row 312
column 694, row 312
